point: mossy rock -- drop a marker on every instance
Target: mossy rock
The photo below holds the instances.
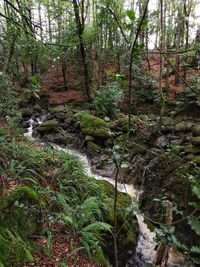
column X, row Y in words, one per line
column 196, row 141
column 196, row 130
column 48, row 126
column 22, row 193
column 196, row 160
column 192, row 149
column 93, row 148
column 24, row 214
column 14, row 250
column 180, row 127
column 58, row 109
column 128, row 234
column 94, row 126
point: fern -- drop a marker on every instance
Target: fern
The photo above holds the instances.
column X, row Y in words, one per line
column 195, row 224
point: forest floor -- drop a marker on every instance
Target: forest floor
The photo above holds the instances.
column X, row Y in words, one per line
column 53, row 82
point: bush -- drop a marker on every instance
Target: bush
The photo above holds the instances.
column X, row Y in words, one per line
column 8, row 99
column 106, row 101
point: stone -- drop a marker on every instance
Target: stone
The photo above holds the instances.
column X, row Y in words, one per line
column 196, row 140
column 192, row 149
column 37, row 108
column 107, row 119
column 48, row 126
column 58, row 109
column 60, row 116
column 196, row 130
column 196, row 160
column 27, row 113
column 25, row 124
column 162, row 141
column 180, row 127
column 94, row 126
column 93, row 148
column 89, row 138
column 61, row 138
column 189, row 125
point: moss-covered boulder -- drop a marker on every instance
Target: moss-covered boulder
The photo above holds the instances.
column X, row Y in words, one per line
column 48, row 126
column 192, row 149
column 196, row 130
column 94, row 126
column 196, row 140
column 126, row 228
column 20, row 211
column 180, row 127
column 58, row 109
column 14, row 251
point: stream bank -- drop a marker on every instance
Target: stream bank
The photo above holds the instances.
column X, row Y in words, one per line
column 96, row 138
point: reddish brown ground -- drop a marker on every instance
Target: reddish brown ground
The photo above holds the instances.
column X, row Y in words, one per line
column 53, row 82
column 61, row 251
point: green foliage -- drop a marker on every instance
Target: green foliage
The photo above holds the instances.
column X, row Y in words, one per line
column 14, row 251
column 106, row 101
column 8, row 99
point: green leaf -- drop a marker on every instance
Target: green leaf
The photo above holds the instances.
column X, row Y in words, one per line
column 195, row 225
column 195, row 250
column 131, row 14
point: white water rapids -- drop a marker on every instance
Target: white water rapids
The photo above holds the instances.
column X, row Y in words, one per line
column 146, row 242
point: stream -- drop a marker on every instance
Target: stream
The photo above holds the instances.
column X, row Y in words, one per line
column 145, row 252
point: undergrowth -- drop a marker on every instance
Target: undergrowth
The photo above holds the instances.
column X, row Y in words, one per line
column 41, row 188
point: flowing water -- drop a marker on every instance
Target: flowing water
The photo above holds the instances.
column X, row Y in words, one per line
column 146, row 242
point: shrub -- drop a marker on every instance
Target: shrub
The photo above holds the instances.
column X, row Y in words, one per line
column 106, row 101
column 8, row 99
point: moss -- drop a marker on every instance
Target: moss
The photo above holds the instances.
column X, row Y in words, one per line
column 94, row 126
column 14, row 251
column 23, row 193
column 47, row 126
column 100, row 258
column 196, row 160
column 128, row 234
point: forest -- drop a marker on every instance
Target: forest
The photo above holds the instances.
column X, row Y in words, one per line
column 99, row 133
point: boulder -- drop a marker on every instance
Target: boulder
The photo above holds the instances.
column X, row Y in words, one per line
column 93, row 148
column 61, row 138
column 26, row 124
column 180, row 127
column 162, row 141
column 48, row 126
column 60, row 116
column 196, row 130
column 94, row 126
column 58, row 109
column 192, row 149
column 196, row 140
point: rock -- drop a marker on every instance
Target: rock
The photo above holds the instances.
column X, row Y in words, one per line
column 180, row 127
column 69, row 117
column 93, row 148
column 61, row 138
column 162, row 141
column 196, row 140
column 27, row 113
column 196, row 130
column 26, row 124
column 196, row 160
column 94, row 126
column 107, row 119
column 192, row 149
column 60, row 116
column 89, row 138
column 37, row 108
column 48, row 126
column 58, row 109
column 189, row 125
